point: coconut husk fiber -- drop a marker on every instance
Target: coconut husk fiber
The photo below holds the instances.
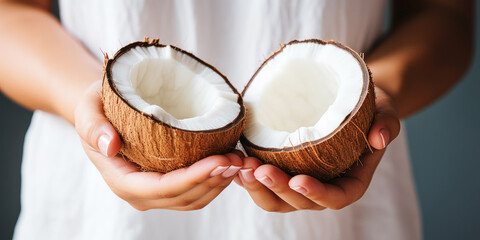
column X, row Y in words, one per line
column 331, row 155
column 158, row 146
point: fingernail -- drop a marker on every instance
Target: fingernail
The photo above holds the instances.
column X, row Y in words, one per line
column 384, row 136
column 247, row 175
column 266, row 181
column 300, row 190
column 219, row 170
column 104, row 144
column 232, row 170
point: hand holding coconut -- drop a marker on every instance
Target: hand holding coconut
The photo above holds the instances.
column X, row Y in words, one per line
column 309, row 108
column 183, row 189
column 274, row 190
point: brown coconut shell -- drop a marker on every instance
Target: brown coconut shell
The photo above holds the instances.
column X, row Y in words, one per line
column 158, row 146
column 331, row 155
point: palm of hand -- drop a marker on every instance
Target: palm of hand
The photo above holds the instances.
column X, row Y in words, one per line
column 274, row 190
column 196, row 186
column 188, row 188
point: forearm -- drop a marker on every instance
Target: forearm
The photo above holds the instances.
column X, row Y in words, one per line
column 423, row 57
column 42, row 66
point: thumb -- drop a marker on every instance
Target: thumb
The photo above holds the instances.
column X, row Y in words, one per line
column 91, row 124
column 386, row 125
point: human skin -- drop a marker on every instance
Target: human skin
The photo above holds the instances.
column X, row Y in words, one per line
column 412, row 66
column 43, row 67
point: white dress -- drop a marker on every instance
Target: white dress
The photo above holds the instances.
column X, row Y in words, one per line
column 64, row 196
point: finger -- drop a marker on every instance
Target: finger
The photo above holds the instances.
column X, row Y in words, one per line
column 238, row 181
column 386, row 125
column 179, row 181
column 260, row 194
column 205, row 198
column 342, row 191
column 129, row 182
column 236, row 156
column 195, row 198
column 202, row 201
column 238, row 153
column 92, row 126
column 237, row 163
column 277, row 181
column 109, row 167
column 198, row 191
column 200, row 195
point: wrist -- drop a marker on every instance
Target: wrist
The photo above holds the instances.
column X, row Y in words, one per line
column 69, row 95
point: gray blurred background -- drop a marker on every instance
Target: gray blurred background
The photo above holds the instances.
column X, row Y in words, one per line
column 444, row 148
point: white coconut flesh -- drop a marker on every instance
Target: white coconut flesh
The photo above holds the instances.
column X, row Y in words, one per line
column 175, row 88
column 303, row 94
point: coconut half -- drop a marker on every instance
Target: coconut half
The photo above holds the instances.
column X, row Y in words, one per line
column 309, row 108
column 169, row 107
